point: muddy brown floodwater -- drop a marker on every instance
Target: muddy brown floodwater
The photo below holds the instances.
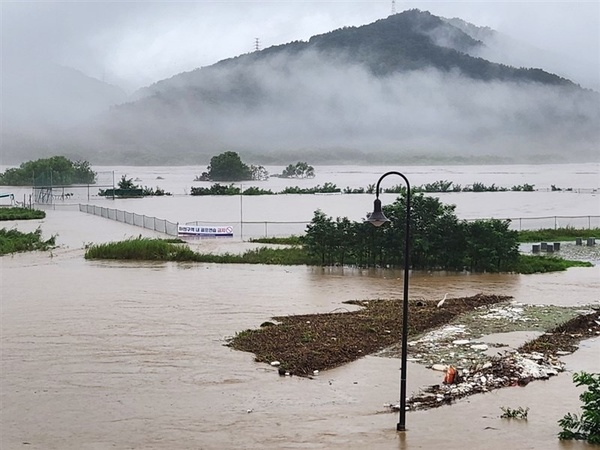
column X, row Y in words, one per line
column 98, row 355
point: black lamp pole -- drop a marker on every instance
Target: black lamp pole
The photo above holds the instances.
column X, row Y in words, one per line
column 377, row 218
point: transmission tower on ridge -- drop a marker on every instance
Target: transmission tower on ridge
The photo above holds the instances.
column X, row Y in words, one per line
column 256, row 44
column 393, row 7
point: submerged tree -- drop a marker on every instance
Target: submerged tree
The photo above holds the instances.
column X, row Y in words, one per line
column 54, row 171
column 298, row 170
column 228, row 166
column 438, row 239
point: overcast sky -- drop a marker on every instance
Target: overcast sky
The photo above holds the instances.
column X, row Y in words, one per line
column 136, row 43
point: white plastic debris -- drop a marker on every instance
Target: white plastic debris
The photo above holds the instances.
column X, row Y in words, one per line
column 481, row 347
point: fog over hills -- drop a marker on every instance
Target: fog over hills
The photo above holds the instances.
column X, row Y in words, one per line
column 412, row 88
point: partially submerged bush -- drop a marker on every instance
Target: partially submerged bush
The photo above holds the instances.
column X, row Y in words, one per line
column 587, row 426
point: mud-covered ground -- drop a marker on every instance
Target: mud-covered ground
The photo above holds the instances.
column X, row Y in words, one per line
column 446, row 338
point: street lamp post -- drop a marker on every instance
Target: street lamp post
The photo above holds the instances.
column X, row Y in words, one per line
column 377, row 218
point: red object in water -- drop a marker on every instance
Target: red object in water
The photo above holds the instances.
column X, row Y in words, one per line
column 450, row 375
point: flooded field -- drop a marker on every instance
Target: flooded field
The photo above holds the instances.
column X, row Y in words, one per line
column 99, row 355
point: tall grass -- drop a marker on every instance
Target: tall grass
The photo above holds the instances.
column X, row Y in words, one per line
column 289, row 240
column 558, row 234
column 13, row 241
column 144, row 249
column 16, row 213
column 527, row 264
column 162, row 250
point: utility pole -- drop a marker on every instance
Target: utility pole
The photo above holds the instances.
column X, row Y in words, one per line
column 256, row 44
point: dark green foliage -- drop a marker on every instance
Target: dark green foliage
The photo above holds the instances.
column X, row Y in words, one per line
column 540, row 264
column 216, row 189
column 438, row 186
column 151, row 192
column 403, row 42
column 523, row 187
column 327, row 188
column 141, row 249
column 12, row 241
column 127, row 183
column 518, row 413
column 257, row 191
column 438, row 239
column 126, row 189
column 54, row 171
column 280, row 256
column 349, row 190
column 298, row 170
column 587, row 426
column 480, row 187
column 557, row 235
column 259, row 173
column 163, row 250
column 16, row 213
column 490, row 246
column 289, row 240
column 228, row 166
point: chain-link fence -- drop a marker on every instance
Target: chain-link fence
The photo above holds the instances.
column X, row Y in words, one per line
column 247, row 230
column 552, row 222
column 140, row 220
column 50, row 188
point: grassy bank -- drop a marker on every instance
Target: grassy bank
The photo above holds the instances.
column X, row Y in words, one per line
column 13, row 241
column 528, row 264
column 141, row 249
column 145, row 249
column 15, row 213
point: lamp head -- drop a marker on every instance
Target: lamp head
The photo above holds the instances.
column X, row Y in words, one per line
column 377, row 217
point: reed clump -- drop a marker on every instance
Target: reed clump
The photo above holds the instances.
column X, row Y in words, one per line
column 141, row 249
column 13, row 241
column 558, row 234
column 18, row 213
column 148, row 249
column 527, row 264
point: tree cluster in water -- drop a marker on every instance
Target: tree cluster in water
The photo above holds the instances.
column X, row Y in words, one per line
column 438, row 239
column 54, row 171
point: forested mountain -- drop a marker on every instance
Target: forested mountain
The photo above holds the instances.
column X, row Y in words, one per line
column 405, row 89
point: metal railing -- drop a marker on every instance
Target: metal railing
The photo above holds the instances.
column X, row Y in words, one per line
column 246, row 230
column 148, row 222
column 553, row 222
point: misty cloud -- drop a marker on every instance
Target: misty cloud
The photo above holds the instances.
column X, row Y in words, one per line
column 342, row 110
column 283, row 105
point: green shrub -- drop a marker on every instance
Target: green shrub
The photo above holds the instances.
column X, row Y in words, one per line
column 527, row 264
column 16, row 213
column 140, row 249
column 518, row 413
column 12, row 241
column 587, row 426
